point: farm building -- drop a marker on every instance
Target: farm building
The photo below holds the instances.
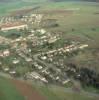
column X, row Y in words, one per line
column 11, row 26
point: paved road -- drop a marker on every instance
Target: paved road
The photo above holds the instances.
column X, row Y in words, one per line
column 44, row 63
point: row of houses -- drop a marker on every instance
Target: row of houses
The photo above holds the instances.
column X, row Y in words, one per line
column 68, row 48
column 9, row 23
column 37, row 76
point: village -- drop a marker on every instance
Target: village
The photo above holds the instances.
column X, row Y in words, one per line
column 36, row 55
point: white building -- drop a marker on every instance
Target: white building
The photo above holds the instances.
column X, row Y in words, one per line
column 11, row 26
column 6, row 53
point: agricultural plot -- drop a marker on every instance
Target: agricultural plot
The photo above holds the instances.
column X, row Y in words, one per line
column 8, row 91
column 19, row 90
column 52, row 92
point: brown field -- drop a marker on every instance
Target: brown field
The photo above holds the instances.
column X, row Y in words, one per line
column 23, row 11
column 27, row 90
column 19, row 12
column 59, row 11
column 35, row 10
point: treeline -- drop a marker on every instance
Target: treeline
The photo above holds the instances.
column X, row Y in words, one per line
column 86, row 76
column 74, row 0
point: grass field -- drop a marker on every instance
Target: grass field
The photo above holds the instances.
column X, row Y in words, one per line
column 5, row 8
column 8, row 91
column 84, row 20
column 60, row 93
column 18, row 90
column 11, row 89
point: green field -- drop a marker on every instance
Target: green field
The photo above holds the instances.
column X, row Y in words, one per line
column 59, row 93
column 8, row 91
column 51, row 92
column 82, row 25
column 12, row 6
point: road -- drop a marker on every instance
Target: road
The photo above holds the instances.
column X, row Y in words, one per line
column 44, row 63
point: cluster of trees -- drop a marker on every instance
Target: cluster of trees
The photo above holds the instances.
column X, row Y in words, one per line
column 89, row 77
column 86, row 76
column 49, row 23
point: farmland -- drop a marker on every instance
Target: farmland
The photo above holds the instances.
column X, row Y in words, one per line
column 59, row 93
column 24, row 91
column 17, row 90
column 19, row 5
column 8, row 91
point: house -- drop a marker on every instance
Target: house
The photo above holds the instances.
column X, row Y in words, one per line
column 15, row 61
column 83, row 46
column 43, row 57
column 52, row 39
column 6, row 53
column 28, row 59
column 40, row 67
column 66, row 81
column 37, row 76
column 42, row 31
column 12, row 72
column 6, row 69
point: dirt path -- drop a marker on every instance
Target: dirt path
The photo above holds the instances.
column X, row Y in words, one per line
column 27, row 91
